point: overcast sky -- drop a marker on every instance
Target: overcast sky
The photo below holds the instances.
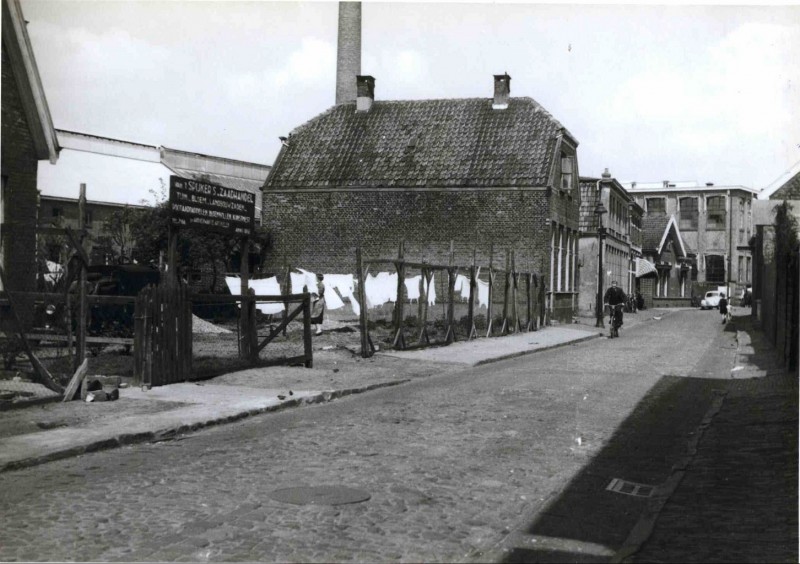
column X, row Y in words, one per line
column 705, row 93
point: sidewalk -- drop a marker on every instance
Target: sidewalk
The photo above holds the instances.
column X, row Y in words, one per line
column 734, row 497
column 38, row 434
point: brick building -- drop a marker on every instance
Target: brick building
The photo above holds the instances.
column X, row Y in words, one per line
column 478, row 172
column 716, row 223
column 27, row 138
column 666, row 279
column 622, row 242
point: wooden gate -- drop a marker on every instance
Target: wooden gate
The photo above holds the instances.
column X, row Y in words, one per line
column 163, row 334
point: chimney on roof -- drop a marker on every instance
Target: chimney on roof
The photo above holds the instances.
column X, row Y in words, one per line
column 365, row 93
column 502, row 91
column 666, row 183
column 606, row 175
column 633, row 185
column 348, row 51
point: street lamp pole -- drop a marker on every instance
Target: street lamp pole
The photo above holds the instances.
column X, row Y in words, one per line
column 599, row 210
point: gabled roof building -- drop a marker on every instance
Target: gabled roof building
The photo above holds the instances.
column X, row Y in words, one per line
column 27, row 138
column 716, row 223
column 498, row 172
column 665, row 271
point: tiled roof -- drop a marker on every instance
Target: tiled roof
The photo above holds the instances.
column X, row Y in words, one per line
column 653, row 226
column 789, row 191
column 442, row 143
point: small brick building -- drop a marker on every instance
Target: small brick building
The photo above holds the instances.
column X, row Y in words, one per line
column 478, row 172
column 663, row 247
column 27, row 137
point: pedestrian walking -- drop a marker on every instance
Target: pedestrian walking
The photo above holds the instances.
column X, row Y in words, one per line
column 318, row 304
column 724, row 310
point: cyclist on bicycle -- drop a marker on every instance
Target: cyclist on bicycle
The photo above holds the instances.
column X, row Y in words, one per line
column 615, row 295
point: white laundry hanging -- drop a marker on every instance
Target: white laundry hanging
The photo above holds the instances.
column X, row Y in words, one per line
column 263, row 287
column 345, row 284
column 412, row 287
column 483, row 293
column 267, row 287
column 303, row 279
column 432, row 291
column 380, row 289
column 462, row 285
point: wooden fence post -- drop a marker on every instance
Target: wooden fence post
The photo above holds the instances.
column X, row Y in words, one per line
column 308, row 353
column 82, row 306
column 506, row 291
column 366, row 342
column 473, row 286
column 399, row 314
column 244, row 310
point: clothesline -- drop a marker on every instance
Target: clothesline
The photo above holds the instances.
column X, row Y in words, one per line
column 379, row 289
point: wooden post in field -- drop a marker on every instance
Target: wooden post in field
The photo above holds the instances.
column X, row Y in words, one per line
column 473, row 286
column 450, row 336
column 244, row 310
column 489, row 308
column 82, row 305
column 307, row 330
column 400, row 266
column 362, row 298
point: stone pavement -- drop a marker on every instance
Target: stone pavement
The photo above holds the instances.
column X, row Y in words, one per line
column 734, row 498
column 181, row 408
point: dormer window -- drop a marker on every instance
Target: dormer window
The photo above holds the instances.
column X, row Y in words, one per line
column 566, row 172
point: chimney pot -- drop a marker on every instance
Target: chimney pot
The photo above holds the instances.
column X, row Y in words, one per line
column 606, row 174
column 365, row 93
column 502, row 91
column 633, row 184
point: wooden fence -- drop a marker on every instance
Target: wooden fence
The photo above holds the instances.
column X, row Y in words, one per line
column 163, row 334
column 511, row 320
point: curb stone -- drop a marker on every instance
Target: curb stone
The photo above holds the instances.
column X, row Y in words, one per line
column 172, row 433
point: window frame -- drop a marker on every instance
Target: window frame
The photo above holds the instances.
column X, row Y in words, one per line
column 688, row 220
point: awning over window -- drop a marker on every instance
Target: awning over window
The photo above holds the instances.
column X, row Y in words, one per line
column 644, row 267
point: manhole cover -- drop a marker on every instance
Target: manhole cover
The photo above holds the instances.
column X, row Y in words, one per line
column 320, row 495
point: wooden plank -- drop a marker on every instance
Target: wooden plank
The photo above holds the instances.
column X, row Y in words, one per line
column 274, row 333
column 66, row 339
column 74, row 383
column 236, row 298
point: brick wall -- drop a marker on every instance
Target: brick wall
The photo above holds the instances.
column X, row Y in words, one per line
column 320, row 230
column 19, row 166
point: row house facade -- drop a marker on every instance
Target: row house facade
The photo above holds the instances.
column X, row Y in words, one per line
column 448, row 177
column 716, row 224
column 621, row 241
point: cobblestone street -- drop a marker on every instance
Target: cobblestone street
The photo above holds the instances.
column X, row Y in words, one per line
column 477, row 465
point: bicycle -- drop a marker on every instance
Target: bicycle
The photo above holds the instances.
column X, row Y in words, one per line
column 615, row 319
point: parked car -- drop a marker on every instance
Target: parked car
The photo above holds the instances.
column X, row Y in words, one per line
column 711, row 300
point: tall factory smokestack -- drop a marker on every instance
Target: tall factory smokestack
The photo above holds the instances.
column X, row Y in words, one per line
column 348, row 58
